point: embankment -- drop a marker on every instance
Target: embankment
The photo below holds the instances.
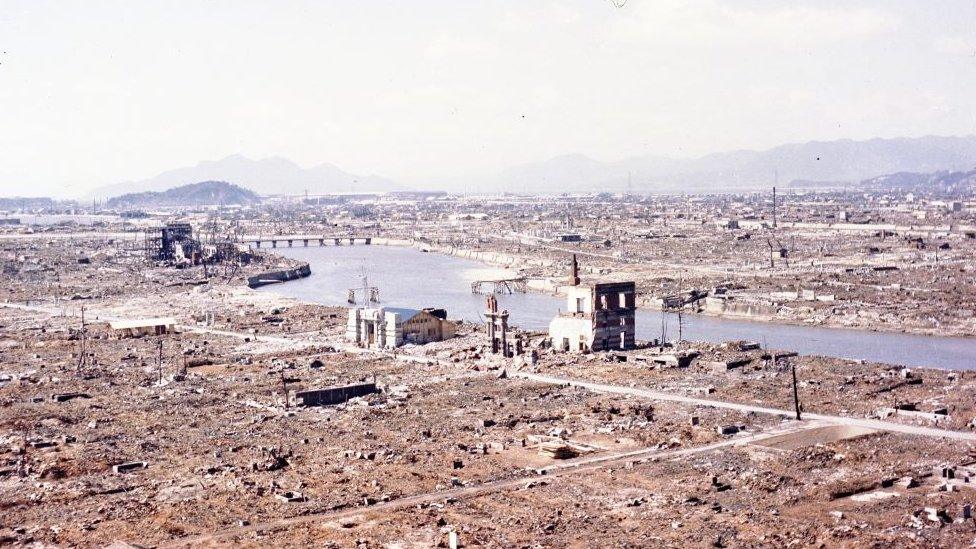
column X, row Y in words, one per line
column 275, row 277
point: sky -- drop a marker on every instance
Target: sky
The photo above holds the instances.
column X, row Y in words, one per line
column 97, row 92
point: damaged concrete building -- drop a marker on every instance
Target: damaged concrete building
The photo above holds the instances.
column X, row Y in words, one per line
column 172, row 242
column 391, row 327
column 599, row 316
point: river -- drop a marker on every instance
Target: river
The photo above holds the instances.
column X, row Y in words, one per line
column 408, row 277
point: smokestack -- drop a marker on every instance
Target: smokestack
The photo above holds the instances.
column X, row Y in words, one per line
column 574, row 279
column 774, row 207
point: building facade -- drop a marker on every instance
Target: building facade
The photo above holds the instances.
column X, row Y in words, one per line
column 599, row 317
column 391, row 327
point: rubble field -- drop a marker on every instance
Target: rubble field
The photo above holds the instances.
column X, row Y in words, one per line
column 204, row 433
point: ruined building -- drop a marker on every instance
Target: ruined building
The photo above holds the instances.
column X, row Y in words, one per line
column 173, row 242
column 599, row 316
column 391, row 327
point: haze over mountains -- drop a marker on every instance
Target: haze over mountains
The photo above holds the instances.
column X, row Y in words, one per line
column 842, row 161
column 268, row 176
column 834, row 161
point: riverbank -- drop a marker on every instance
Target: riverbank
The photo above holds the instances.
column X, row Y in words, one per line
column 409, row 278
column 279, row 276
column 794, row 316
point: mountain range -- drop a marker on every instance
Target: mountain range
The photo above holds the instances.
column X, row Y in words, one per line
column 839, row 162
column 845, row 161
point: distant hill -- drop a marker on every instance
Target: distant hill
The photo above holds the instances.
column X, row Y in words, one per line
column 205, row 193
column 269, row 176
column 26, row 203
column 943, row 180
column 837, row 162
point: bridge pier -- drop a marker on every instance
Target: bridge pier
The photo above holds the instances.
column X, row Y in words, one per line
column 289, row 243
column 338, row 242
column 352, row 241
column 321, row 242
column 369, row 241
column 306, row 242
column 257, row 244
column 274, row 243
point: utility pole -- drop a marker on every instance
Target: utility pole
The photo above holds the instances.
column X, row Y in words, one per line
column 57, row 288
column 775, row 182
column 681, row 307
column 664, row 325
column 159, row 360
column 83, row 355
column 796, row 393
column 680, row 324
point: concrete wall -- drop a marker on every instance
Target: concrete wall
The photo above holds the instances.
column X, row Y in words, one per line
column 334, row 395
column 385, row 326
column 614, row 316
column 743, row 308
column 275, row 277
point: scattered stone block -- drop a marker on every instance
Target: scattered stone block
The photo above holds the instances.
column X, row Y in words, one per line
column 129, row 466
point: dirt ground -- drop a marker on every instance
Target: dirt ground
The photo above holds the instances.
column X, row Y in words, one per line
column 215, row 448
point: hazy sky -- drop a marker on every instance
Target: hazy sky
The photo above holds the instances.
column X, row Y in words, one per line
column 96, row 92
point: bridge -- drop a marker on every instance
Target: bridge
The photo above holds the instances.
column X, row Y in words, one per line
column 316, row 240
column 501, row 286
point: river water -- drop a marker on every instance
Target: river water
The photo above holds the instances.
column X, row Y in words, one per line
column 408, row 277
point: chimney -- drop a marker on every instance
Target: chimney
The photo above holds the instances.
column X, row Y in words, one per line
column 574, row 279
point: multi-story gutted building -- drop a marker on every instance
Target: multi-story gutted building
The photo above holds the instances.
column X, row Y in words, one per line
column 173, row 242
column 599, row 317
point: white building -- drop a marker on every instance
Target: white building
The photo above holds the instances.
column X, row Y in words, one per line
column 391, row 327
column 142, row 327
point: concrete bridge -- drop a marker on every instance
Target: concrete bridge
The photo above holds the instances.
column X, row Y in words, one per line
column 303, row 240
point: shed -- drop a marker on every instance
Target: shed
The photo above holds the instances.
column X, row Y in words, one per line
column 142, row 327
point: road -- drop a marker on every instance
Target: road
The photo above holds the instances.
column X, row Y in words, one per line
column 573, row 467
column 695, row 401
column 96, row 315
column 598, row 387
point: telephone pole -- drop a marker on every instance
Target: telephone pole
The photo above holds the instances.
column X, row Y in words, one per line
column 159, row 360
column 83, row 355
column 680, row 323
column 796, row 393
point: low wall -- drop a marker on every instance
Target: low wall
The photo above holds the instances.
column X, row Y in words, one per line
column 748, row 309
column 275, row 277
column 334, row 395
